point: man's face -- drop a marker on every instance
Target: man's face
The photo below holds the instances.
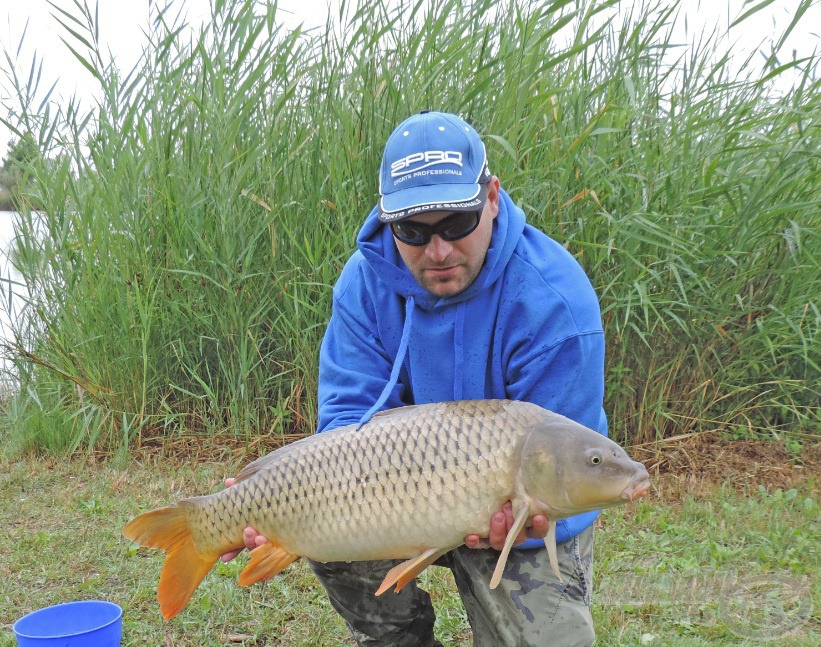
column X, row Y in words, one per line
column 448, row 268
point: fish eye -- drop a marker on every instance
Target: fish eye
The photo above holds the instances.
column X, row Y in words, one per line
column 595, row 459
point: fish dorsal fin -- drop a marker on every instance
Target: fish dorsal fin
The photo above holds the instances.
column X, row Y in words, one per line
column 253, row 468
column 405, row 572
column 271, row 458
column 409, row 408
column 515, row 529
column 267, row 560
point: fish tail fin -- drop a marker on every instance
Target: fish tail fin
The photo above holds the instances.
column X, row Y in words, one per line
column 168, row 529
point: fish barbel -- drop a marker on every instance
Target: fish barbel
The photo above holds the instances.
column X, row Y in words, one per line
column 411, row 483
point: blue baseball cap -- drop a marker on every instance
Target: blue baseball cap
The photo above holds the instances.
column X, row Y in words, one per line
column 433, row 161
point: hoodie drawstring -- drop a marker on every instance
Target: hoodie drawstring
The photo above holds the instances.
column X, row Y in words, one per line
column 397, row 364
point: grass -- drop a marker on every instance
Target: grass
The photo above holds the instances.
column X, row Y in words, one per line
column 662, row 570
column 177, row 278
column 191, row 224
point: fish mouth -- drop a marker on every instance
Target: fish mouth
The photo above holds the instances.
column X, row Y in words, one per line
column 636, row 489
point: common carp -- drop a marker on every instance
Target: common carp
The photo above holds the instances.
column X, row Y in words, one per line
column 411, row 483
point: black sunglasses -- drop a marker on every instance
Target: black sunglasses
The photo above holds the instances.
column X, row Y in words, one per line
column 452, row 228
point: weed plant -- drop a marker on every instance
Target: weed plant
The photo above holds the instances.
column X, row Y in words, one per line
column 178, row 272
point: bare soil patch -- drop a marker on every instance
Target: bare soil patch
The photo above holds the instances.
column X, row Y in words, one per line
column 703, row 462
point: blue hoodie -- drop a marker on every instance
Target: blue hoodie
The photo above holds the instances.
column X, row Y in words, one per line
column 528, row 328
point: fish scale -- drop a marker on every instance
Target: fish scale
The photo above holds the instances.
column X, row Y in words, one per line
column 411, row 483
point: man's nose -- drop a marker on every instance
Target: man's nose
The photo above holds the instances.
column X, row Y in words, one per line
column 437, row 249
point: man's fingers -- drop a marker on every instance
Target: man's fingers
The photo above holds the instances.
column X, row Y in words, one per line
column 500, row 524
column 539, row 527
column 498, row 530
column 249, row 536
column 229, row 482
column 507, row 508
column 252, row 538
column 476, row 542
column 227, row 557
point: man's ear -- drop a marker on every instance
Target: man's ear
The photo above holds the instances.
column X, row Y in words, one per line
column 493, row 188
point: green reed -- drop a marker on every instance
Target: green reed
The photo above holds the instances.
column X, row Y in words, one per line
column 192, row 223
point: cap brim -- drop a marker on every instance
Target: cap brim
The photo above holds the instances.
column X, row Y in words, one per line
column 439, row 197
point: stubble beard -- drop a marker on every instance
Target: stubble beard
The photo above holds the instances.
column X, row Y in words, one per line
column 449, row 286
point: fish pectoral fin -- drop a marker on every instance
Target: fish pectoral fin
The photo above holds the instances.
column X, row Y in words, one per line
column 266, row 561
column 550, row 544
column 515, row 529
column 405, row 572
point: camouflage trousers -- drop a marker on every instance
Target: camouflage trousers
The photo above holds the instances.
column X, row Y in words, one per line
column 529, row 607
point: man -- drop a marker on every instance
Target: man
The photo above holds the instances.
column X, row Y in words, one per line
column 450, row 296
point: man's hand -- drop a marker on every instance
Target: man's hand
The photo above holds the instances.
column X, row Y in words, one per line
column 500, row 524
column 251, row 537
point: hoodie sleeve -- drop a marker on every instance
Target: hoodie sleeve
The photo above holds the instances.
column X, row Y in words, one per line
column 354, row 366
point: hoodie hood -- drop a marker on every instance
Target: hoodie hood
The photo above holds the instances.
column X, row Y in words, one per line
column 375, row 242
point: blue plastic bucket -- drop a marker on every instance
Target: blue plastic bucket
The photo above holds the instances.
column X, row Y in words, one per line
column 91, row 623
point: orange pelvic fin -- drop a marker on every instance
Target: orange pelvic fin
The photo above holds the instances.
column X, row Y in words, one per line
column 405, row 572
column 266, row 561
column 167, row 529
